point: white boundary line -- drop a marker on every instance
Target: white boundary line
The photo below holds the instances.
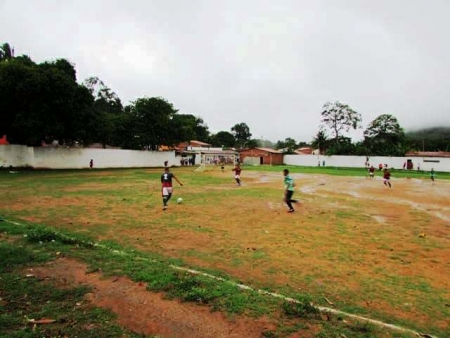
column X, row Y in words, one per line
column 272, row 294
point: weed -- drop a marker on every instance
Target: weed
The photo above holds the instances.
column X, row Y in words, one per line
column 17, row 256
column 303, row 308
column 45, row 234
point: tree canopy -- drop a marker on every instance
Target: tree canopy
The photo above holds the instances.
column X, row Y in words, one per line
column 223, row 139
column 384, row 136
column 242, row 134
column 43, row 102
column 339, row 117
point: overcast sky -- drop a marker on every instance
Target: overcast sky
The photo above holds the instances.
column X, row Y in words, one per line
column 270, row 64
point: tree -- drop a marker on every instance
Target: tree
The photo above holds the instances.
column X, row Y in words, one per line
column 187, row 127
column 42, row 102
column 343, row 146
column 150, row 123
column 201, row 130
column 6, row 52
column 105, row 99
column 223, row 139
column 385, row 136
column 288, row 146
column 252, row 143
column 63, row 65
column 320, row 141
column 241, row 133
column 107, row 107
column 340, row 117
column 303, row 144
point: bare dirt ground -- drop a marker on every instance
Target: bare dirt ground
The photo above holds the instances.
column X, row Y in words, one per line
column 146, row 312
column 350, row 238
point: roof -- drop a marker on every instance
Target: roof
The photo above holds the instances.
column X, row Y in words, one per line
column 3, row 140
column 304, row 151
column 200, row 143
column 270, row 150
column 428, row 153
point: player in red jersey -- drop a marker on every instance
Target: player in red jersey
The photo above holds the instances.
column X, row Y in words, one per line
column 371, row 171
column 387, row 178
column 237, row 174
column 167, row 189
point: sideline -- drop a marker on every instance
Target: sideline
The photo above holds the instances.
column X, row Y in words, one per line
column 272, row 294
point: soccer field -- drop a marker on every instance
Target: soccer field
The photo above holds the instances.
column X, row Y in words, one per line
column 353, row 242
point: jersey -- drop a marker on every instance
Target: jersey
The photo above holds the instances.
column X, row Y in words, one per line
column 166, row 180
column 387, row 175
column 289, row 183
column 237, row 171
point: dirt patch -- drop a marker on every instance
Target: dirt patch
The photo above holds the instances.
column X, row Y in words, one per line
column 352, row 239
column 145, row 312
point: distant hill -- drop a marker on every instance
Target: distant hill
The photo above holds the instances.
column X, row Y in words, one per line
column 429, row 139
column 432, row 133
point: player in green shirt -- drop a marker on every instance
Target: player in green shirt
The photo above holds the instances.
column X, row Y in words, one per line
column 432, row 174
column 289, row 185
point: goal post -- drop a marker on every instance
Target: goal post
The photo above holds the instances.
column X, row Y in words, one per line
column 211, row 161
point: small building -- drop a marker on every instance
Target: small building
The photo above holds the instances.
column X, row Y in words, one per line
column 203, row 154
column 193, row 145
column 304, row 151
column 261, row 156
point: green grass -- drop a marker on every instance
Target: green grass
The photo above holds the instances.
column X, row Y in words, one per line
column 342, row 171
column 25, row 298
column 113, row 259
column 74, row 239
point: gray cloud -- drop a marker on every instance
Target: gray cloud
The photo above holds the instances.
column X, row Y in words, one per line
column 269, row 64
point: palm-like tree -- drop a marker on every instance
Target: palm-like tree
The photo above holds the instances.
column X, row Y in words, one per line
column 6, row 52
column 320, row 141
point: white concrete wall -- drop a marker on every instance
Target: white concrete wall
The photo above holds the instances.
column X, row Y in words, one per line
column 78, row 158
column 16, row 156
column 440, row 164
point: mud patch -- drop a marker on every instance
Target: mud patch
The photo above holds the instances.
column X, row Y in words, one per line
column 145, row 312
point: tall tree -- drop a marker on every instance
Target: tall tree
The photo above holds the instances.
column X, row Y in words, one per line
column 288, row 146
column 151, row 123
column 223, row 139
column 42, row 102
column 340, row 117
column 253, row 143
column 320, row 141
column 385, row 136
column 241, row 134
column 105, row 99
column 6, row 52
column 201, row 130
column 63, row 65
column 184, row 127
column 107, row 107
column 343, row 146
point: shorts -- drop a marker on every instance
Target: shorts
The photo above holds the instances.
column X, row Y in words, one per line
column 166, row 191
column 238, row 177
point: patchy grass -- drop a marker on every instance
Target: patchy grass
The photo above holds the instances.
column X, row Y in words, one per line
column 368, row 249
column 22, row 297
column 25, row 299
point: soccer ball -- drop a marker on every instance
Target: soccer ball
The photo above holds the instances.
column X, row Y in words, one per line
column 179, row 200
